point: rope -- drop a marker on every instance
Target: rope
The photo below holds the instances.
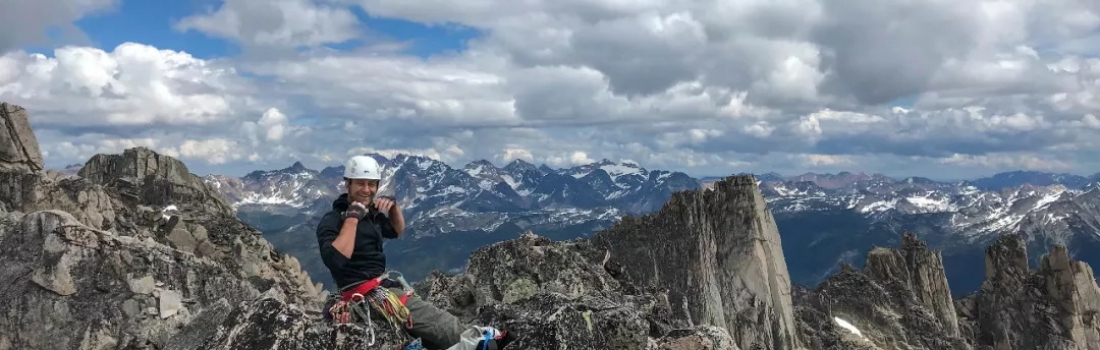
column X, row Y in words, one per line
column 390, row 303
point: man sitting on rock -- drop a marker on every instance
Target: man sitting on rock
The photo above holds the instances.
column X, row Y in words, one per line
column 350, row 238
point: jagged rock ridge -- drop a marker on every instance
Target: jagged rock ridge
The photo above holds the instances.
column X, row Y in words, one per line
column 1052, row 307
column 900, row 301
column 124, row 254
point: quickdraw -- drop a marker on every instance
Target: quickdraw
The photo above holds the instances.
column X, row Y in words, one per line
column 352, row 307
column 389, row 305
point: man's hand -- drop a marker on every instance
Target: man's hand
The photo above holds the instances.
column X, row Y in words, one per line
column 355, row 210
column 385, row 204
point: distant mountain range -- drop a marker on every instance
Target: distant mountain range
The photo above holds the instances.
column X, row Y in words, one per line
column 824, row 219
column 437, row 198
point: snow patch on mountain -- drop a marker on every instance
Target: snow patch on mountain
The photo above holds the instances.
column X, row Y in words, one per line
column 971, row 211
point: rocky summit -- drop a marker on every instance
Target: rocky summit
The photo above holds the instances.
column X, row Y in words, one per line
column 135, row 252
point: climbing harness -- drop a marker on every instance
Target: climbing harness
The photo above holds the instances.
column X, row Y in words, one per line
column 355, row 304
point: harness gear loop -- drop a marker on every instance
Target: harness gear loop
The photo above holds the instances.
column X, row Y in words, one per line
column 364, row 314
column 357, row 300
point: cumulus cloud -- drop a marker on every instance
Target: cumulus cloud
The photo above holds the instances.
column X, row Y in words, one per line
column 134, row 85
column 713, row 87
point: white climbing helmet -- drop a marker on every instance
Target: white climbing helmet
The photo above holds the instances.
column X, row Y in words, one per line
column 362, row 167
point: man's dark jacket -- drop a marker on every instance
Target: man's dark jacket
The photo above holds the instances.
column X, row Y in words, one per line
column 367, row 259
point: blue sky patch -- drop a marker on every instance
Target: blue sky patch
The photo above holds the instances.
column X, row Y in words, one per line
column 151, row 22
column 425, row 40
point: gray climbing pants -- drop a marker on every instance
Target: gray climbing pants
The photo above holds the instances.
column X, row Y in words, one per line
column 436, row 328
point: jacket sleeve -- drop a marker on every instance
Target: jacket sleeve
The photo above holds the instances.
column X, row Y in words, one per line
column 327, row 230
column 386, row 227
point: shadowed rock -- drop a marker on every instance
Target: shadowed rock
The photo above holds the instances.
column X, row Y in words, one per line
column 900, row 300
column 922, row 271
column 896, row 302
column 18, row 145
column 1054, row 307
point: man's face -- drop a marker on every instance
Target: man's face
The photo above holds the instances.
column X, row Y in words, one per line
column 362, row 190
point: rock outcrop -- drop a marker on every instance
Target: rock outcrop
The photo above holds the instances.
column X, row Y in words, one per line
column 718, row 254
column 920, row 271
column 899, row 301
column 1056, row 306
column 19, row 149
column 124, row 254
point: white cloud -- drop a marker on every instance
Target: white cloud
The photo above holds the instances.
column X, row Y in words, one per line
column 788, row 85
column 215, row 151
column 271, row 127
column 1015, row 161
column 277, row 24
column 133, row 85
column 447, row 155
column 513, row 153
column 814, row 160
column 580, row 158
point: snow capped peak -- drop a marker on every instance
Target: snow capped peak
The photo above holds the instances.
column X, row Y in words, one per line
column 296, row 167
column 416, row 163
column 478, row 167
column 614, row 170
column 520, row 165
column 488, row 174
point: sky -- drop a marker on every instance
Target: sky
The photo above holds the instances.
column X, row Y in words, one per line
column 936, row 88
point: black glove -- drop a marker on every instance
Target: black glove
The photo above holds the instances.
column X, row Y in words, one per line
column 391, row 198
column 356, row 211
